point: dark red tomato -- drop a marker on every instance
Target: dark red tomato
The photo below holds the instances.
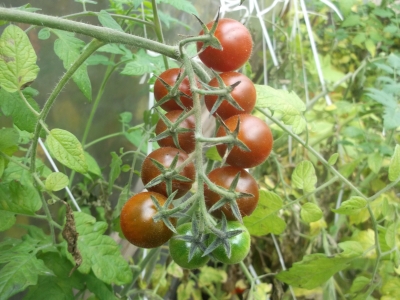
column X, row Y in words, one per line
column 236, row 43
column 240, row 245
column 179, row 250
column 165, row 156
column 186, row 139
column 137, row 222
column 255, row 134
column 170, row 76
column 223, row 177
column 244, row 94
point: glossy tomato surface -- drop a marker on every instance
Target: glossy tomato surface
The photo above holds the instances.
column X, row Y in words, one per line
column 170, row 76
column 255, row 134
column 236, row 43
column 240, row 245
column 223, row 177
column 186, row 139
column 179, row 250
column 244, row 94
column 165, row 156
column 137, row 222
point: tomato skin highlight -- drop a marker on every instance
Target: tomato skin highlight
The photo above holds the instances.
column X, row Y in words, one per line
column 165, row 156
column 170, row 76
column 137, row 222
column 255, row 134
column 236, row 43
column 186, row 139
column 240, row 245
column 223, row 177
column 244, row 94
column 179, row 250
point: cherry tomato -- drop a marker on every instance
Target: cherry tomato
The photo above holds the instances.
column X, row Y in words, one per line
column 186, row 139
column 165, row 156
column 223, row 177
column 240, row 245
column 236, row 43
column 179, row 250
column 137, row 222
column 244, row 94
column 255, row 134
column 170, row 76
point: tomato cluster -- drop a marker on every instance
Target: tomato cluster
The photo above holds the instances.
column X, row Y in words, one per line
column 229, row 191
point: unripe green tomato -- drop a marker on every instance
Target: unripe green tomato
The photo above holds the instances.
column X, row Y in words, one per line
column 240, row 245
column 179, row 250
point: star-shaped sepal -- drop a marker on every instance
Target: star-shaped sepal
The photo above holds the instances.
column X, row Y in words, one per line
column 212, row 41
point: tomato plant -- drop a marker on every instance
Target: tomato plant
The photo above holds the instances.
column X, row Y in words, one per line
column 236, row 44
column 254, row 133
column 244, row 95
column 164, row 157
column 180, row 249
column 239, row 244
column 224, row 177
column 185, row 140
column 183, row 93
column 137, row 222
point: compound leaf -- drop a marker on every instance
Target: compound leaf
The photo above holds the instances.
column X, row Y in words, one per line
column 315, row 269
column 100, row 253
column 288, row 104
column 264, row 219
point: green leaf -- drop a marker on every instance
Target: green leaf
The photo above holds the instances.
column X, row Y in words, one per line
column 310, row 212
column 61, row 286
column 315, row 269
column 352, row 206
column 44, row 34
column 288, row 104
column 66, row 148
column 56, row 181
column 13, row 105
column 304, row 177
column 99, row 288
column 17, row 59
column 9, row 138
column 143, row 63
column 375, row 161
column 107, row 21
column 7, row 218
column 371, row 47
column 351, row 20
column 183, row 5
column 264, row 219
column 18, row 198
column 2, row 165
column 333, row 159
column 100, row 253
column 394, row 167
column 93, row 167
column 21, row 269
column 68, row 48
column 213, row 154
column 391, row 235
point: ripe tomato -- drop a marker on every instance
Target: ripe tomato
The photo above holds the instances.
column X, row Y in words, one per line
column 236, row 43
column 137, row 222
column 186, row 139
column 223, row 177
column 170, row 76
column 165, row 156
column 244, row 94
column 240, row 245
column 179, row 250
column 255, row 134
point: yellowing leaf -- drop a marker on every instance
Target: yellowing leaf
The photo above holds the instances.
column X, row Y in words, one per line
column 352, row 206
column 304, row 177
column 394, row 167
column 17, row 59
column 310, row 212
column 56, row 181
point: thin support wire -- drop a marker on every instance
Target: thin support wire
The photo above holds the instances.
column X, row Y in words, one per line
column 56, row 169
